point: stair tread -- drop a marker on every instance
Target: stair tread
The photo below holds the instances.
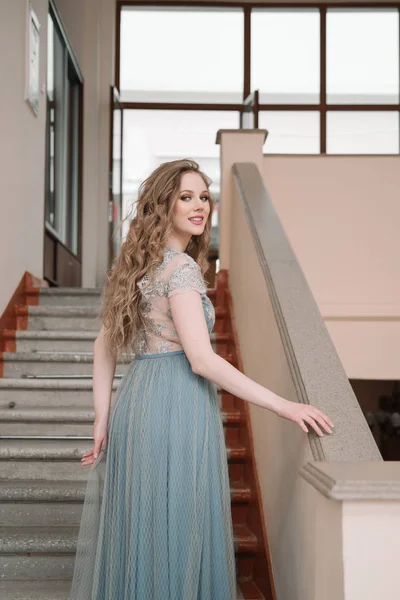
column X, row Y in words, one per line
column 41, row 538
column 57, row 310
column 66, row 291
column 42, row 490
column 46, row 413
column 69, row 334
column 53, row 383
column 39, row 589
column 61, row 449
column 63, row 414
column 49, row 589
column 62, row 334
column 55, row 356
column 68, row 310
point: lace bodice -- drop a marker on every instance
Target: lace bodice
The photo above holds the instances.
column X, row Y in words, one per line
column 176, row 274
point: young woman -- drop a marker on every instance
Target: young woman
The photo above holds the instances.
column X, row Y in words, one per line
column 156, row 521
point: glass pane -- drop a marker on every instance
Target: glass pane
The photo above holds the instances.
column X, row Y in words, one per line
column 151, row 137
column 285, row 50
column 363, row 56
column 291, row 132
column 57, row 128
column 117, row 177
column 50, row 196
column 73, row 167
column 350, row 132
column 181, row 55
column 62, row 141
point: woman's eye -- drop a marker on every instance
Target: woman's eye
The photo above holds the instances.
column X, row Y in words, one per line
column 206, row 198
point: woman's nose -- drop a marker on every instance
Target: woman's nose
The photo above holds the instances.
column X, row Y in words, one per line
column 199, row 204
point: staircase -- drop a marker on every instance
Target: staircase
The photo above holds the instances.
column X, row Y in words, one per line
column 46, row 416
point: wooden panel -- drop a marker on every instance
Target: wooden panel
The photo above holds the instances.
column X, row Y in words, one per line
column 260, row 569
column 68, row 268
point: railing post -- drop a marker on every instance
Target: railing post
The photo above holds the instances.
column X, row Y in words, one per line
column 237, row 145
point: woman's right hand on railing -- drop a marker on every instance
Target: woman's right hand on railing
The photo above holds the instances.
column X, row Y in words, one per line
column 100, row 435
column 305, row 413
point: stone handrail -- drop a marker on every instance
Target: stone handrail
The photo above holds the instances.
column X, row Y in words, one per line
column 317, row 372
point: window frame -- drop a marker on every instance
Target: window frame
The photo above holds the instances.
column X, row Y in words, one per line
column 72, row 142
column 322, row 107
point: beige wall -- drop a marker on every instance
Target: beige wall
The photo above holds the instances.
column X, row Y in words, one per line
column 235, row 147
column 89, row 25
column 341, row 215
column 21, row 152
column 321, row 532
column 72, row 13
column 371, row 547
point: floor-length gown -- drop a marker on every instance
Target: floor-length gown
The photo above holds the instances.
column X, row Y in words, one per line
column 156, row 521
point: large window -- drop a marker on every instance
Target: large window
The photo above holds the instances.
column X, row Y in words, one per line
column 181, row 55
column 155, row 136
column 285, row 60
column 363, row 56
column 327, row 78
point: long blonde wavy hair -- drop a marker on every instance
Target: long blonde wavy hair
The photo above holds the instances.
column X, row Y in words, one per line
column 142, row 249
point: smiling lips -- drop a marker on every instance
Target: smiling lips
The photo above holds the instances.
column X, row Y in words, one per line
column 197, row 220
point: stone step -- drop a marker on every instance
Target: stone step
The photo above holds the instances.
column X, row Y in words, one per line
column 61, row 491
column 47, row 540
column 70, row 450
column 43, row 589
column 39, row 392
column 66, row 317
column 18, row 364
column 60, row 459
column 67, row 296
column 25, row 364
column 51, row 550
column 25, row 567
column 31, row 392
column 69, row 421
column 31, row 340
column 71, row 296
column 60, row 503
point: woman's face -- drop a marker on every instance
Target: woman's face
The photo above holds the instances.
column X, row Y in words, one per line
column 192, row 207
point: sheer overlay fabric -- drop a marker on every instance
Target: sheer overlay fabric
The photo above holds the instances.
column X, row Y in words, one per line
column 176, row 274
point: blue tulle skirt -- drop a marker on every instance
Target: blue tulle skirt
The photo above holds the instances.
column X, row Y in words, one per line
column 156, row 521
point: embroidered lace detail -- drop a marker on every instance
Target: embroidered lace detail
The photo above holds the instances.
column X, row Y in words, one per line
column 164, row 346
column 177, row 273
column 186, row 277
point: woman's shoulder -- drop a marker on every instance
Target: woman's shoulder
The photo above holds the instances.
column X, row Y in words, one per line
column 176, row 259
column 173, row 263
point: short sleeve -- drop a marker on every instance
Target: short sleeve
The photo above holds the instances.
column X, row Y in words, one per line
column 185, row 278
